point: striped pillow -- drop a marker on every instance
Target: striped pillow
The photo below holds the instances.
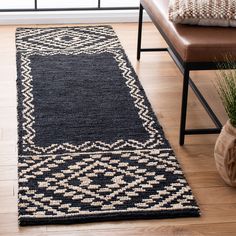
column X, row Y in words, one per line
column 203, row 12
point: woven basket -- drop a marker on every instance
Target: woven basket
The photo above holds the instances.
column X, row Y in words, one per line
column 225, row 154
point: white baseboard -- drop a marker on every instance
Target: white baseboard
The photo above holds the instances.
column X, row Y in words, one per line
column 72, row 17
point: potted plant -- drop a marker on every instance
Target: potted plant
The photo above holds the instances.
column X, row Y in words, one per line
column 225, row 148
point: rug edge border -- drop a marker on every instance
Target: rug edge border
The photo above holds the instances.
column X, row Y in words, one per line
column 27, row 221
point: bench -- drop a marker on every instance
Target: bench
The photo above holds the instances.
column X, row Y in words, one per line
column 191, row 48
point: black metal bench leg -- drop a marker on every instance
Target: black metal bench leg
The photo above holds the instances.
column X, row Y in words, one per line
column 140, row 24
column 184, row 106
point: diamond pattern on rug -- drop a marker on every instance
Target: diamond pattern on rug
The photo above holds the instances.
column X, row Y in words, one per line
column 103, row 182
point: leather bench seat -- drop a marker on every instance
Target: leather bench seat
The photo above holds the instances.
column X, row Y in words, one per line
column 192, row 43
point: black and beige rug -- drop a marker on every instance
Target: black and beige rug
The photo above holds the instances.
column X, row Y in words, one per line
column 90, row 147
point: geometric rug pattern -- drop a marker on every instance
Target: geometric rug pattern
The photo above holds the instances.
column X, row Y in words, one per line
column 90, row 146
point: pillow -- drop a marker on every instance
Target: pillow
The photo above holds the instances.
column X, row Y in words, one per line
column 203, row 12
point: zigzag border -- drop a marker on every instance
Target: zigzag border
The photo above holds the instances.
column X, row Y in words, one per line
column 114, row 47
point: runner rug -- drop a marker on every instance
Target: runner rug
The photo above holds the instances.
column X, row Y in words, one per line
column 90, row 147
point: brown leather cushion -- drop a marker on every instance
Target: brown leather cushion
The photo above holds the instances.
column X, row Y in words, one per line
column 192, row 43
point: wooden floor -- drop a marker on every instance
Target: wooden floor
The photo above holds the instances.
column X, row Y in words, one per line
column 162, row 82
